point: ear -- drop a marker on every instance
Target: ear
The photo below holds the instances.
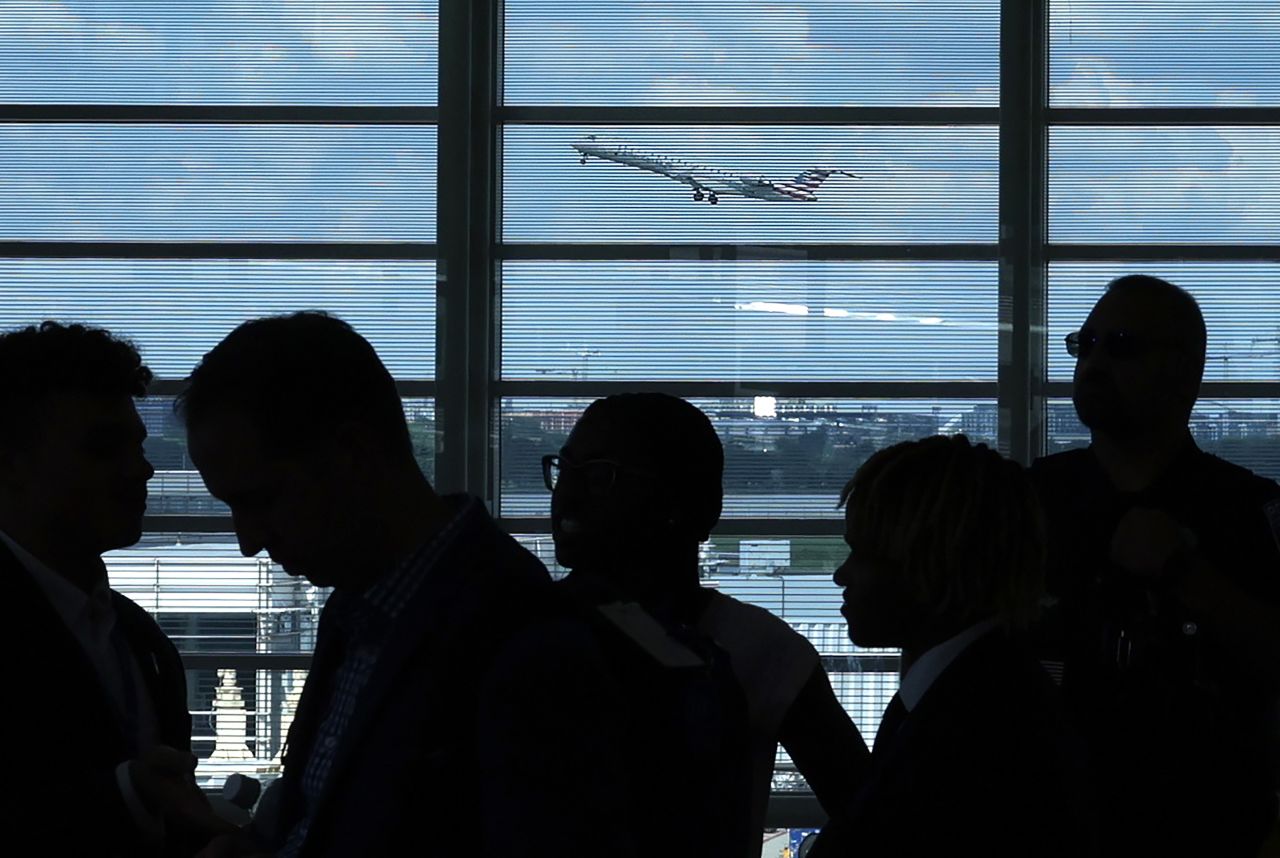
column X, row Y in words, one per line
column 355, row 447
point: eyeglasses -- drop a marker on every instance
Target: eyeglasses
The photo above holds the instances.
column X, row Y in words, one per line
column 600, row 474
column 1121, row 345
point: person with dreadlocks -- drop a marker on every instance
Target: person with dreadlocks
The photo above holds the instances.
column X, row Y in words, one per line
column 973, row 756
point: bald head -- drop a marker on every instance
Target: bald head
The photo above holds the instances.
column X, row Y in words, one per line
column 1142, row 357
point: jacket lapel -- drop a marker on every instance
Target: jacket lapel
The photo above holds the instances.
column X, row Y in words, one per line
column 63, row 661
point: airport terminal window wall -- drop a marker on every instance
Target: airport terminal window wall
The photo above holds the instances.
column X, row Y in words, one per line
column 409, row 166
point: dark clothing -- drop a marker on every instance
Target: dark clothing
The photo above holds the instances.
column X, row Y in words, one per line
column 688, row 737
column 485, row 725
column 985, row 764
column 1182, row 732
column 66, row 738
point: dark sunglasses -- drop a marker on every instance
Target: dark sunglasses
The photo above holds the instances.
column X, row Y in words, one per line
column 1121, row 345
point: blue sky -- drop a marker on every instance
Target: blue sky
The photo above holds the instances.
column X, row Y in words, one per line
column 783, row 317
column 378, row 183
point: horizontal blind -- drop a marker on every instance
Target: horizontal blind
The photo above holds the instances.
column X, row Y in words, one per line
column 127, row 205
column 738, row 52
column 765, row 319
column 176, row 310
column 930, row 185
column 235, row 52
column 1163, row 53
column 1189, row 184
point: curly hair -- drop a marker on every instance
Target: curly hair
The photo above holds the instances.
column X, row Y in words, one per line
column 297, row 377
column 53, row 357
column 959, row 521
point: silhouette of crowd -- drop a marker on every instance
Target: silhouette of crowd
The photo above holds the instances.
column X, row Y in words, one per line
column 1090, row 647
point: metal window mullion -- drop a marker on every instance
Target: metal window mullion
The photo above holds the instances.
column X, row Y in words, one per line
column 465, row 215
column 218, row 114
column 1023, row 229
column 746, row 115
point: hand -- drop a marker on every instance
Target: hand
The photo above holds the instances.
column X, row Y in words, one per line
column 1145, row 541
column 164, row 779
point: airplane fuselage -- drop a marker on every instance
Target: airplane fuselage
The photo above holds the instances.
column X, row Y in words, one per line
column 706, row 182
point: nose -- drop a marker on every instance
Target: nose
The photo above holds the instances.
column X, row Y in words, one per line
column 841, row 576
column 249, row 535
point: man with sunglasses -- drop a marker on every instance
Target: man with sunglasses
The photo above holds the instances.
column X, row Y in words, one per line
column 1162, row 623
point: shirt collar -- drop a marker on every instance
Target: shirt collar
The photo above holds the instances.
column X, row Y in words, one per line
column 70, row 602
column 388, row 596
column 929, row 666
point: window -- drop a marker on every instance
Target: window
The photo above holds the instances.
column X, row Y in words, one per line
column 170, row 171
column 870, row 221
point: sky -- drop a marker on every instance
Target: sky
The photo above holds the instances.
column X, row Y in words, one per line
column 778, row 315
column 935, row 184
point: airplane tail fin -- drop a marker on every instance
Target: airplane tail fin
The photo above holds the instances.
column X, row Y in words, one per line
column 813, row 178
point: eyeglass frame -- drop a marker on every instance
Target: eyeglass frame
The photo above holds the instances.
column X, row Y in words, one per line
column 553, row 463
column 1139, row 344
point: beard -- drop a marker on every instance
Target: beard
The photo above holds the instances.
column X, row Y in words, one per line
column 1102, row 409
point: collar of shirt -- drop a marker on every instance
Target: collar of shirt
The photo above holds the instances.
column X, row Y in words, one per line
column 379, row 606
column 78, row 609
column 929, row 666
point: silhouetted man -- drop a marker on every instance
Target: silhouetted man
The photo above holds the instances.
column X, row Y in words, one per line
column 636, row 488
column 1162, row 620
column 99, row 736
column 445, row 699
column 973, row 756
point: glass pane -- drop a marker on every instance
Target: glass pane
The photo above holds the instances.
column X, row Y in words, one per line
column 784, row 458
column 1243, row 431
column 782, row 575
column 176, row 310
column 239, row 720
column 1153, row 185
column 177, row 488
column 1163, row 53
column 826, row 52
column 218, row 182
column 232, row 52
column 1240, row 302
column 877, row 321
column 913, row 184
column 207, row 597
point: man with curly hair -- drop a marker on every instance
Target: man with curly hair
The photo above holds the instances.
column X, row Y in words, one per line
column 102, row 742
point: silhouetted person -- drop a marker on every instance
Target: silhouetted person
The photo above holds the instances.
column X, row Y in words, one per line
column 973, row 756
column 637, row 488
column 1164, row 585
column 445, row 700
column 98, row 734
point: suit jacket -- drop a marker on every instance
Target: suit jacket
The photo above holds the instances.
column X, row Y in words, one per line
column 487, row 727
column 984, row 765
column 64, row 739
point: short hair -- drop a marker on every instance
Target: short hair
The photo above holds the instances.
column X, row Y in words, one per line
column 1185, row 308
column 959, row 521
column 51, row 357
column 679, row 438
column 297, row 377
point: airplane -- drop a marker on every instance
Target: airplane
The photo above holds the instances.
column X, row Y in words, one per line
column 707, row 182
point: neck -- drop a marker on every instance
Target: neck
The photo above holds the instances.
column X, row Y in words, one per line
column 1134, row 464
column 929, row 638
column 665, row 578
column 406, row 515
column 83, row 568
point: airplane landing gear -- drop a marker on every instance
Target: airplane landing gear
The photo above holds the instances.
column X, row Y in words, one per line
column 713, row 199
column 583, row 160
column 697, row 196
